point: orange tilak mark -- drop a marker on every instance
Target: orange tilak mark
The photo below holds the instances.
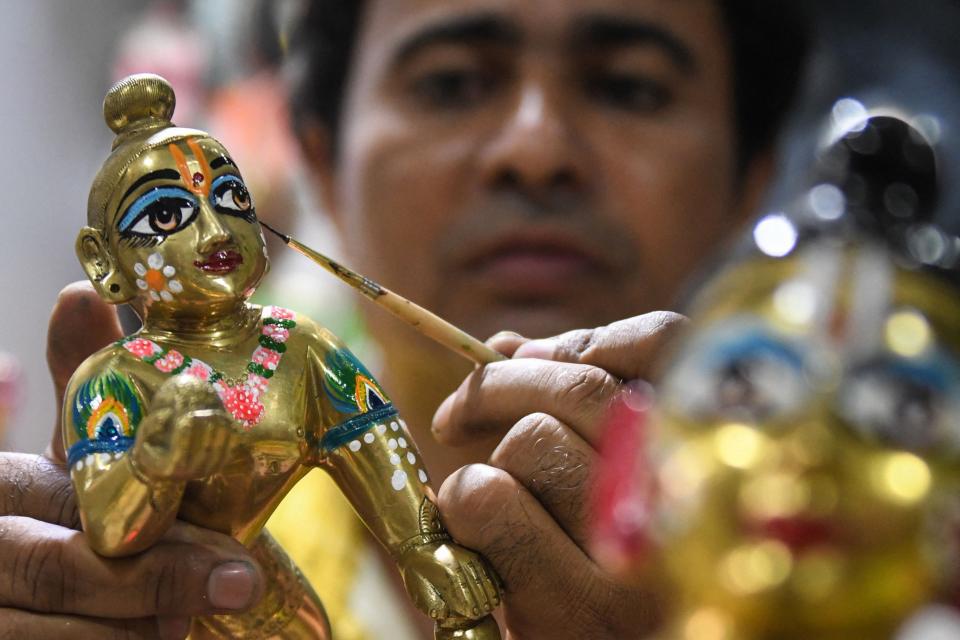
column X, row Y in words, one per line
column 182, row 167
column 204, row 167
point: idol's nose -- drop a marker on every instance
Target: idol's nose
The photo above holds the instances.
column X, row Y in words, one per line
column 213, row 234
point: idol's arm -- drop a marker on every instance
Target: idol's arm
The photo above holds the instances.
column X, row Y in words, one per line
column 129, row 466
column 373, row 459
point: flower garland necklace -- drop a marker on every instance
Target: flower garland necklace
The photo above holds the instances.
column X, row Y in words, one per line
column 242, row 397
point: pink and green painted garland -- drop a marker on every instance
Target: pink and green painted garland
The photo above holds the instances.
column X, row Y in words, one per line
column 241, row 399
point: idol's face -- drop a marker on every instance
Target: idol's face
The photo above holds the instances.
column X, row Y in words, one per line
column 808, row 447
column 539, row 165
column 183, row 228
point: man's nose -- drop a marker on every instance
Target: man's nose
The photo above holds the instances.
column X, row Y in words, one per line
column 537, row 148
column 213, row 234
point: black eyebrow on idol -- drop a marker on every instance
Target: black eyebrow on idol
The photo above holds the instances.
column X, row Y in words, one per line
column 159, row 174
column 481, row 28
column 594, row 31
column 219, row 161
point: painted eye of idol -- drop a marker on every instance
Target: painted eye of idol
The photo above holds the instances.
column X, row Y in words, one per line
column 741, row 371
column 904, row 402
column 229, row 195
column 157, row 214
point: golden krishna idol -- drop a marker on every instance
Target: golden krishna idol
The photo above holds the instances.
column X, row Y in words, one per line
column 801, row 474
column 216, row 407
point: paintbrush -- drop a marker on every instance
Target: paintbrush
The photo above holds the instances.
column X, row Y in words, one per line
column 426, row 322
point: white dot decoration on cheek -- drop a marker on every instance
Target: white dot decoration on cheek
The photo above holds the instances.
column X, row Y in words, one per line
column 355, row 445
column 368, row 438
column 398, row 480
column 157, row 278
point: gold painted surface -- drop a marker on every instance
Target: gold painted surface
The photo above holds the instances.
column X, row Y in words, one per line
column 788, row 509
column 189, row 263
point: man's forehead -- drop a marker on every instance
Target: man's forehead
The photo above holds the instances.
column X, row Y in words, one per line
column 562, row 19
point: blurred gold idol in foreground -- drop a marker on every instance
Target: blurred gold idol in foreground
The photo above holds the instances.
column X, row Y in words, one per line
column 216, row 407
column 804, row 459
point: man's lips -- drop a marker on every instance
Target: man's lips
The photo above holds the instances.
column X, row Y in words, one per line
column 534, row 262
column 220, row 262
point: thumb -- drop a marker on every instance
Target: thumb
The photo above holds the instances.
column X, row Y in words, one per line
column 80, row 324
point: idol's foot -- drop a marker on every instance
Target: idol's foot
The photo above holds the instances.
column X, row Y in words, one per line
column 483, row 629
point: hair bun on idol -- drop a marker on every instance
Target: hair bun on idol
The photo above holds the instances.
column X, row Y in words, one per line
column 138, row 109
column 138, row 103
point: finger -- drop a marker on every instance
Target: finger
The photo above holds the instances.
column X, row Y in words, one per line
column 506, row 342
column 26, row 624
column 627, row 349
column 192, row 571
column 34, row 487
column 80, row 324
column 542, row 569
column 481, row 595
column 495, row 397
column 555, row 465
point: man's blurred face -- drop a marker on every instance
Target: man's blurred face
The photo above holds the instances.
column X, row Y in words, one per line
column 536, row 165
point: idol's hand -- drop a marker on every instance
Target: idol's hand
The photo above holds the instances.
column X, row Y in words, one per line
column 445, row 580
column 55, row 587
column 187, row 435
column 527, row 511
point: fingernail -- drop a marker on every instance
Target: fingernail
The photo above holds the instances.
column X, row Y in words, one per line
column 542, row 349
column 504, row 335
column 173, row 628
column 231, row 585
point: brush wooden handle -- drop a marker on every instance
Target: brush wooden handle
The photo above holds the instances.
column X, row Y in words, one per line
column 426, row 322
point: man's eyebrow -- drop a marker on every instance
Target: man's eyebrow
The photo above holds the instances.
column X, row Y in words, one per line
column 477, row 28
column 159, row 174
column 616, row 31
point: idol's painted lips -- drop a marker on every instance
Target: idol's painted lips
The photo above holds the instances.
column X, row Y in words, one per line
column 798, row 533
column 220, row 262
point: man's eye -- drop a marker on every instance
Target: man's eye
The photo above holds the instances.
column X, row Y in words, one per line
column 628, row 91
column 738, row 372
column 159, row 212
column 909, row 404
column 452, row 88
column 229, row 195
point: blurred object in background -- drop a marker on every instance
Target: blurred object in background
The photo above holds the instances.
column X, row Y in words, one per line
column 164, row 41
column 11, row 389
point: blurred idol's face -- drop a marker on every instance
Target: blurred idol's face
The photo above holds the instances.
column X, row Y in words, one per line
column 539, row 165
column 808, row 447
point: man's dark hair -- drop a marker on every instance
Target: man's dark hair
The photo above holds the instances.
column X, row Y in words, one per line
column 768, row 47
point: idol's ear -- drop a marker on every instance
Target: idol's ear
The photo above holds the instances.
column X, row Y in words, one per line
column 101, row 268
